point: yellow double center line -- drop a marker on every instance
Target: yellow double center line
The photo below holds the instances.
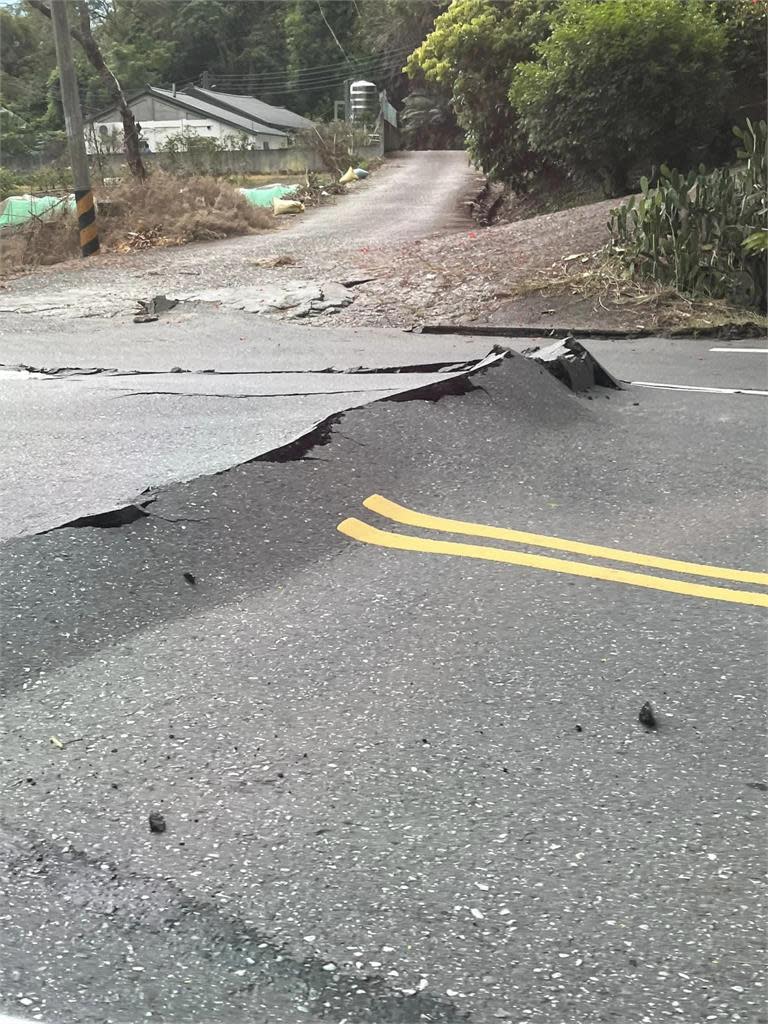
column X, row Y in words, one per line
column 361, row 531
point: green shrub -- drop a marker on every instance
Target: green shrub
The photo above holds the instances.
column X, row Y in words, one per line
column 7, row 182
column 41, row 181
column 54, row 178
column 472, row 51
column 625, row 83
column 695, row 232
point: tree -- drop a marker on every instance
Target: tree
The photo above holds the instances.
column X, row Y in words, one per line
column 744, row 23
column 319, row 34
column 393, row 29
column 82, row 33
column 473, row 51
column 30, row 122
column 427, row 122
column 625, row 84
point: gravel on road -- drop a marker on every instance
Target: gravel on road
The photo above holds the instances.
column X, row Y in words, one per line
column 408, row 228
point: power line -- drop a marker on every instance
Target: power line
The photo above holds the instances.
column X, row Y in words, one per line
column 330, row 29
column 309, row 74
column 217, row 84
column 290, row 85
column 298, row 89
column 339, row 65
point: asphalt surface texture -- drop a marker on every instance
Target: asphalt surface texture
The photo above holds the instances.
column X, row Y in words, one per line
column 161, row 406
column 256, row 770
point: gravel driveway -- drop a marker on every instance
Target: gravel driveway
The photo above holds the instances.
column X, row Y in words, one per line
column 413, row 196
column 407, row 228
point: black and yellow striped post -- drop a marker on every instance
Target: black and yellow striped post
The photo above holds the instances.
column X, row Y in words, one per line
column 73, row 120
column 86, row 222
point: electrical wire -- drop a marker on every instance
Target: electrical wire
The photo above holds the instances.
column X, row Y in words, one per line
column 336, row 65
column 299, row 89
column 330, row 29
column 308, row 75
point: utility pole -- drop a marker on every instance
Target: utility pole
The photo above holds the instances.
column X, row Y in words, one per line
column 73, row 119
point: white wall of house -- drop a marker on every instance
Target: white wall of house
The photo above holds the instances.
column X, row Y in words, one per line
column 157, row 133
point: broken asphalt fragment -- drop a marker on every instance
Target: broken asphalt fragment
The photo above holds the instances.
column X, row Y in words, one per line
column 158, row 304
column 91, row 485
column 294, row 299
column 148, row 310
column 355, row 277
column 156, row 822
column 573, row 365
column 647, row 716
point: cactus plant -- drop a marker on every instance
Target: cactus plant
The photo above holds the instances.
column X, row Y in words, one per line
column 689, row 231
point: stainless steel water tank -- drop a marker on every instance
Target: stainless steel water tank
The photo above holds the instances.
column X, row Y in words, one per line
column 363, row 100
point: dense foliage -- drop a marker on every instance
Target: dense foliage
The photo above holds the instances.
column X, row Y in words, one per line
column 427, row 122
column 294, row 53
column 703, row 233
column 473, row 51
column 606, row 87
column 620, row 86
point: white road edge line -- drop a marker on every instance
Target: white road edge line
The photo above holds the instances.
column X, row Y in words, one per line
column 764, row 351
column 691, row 387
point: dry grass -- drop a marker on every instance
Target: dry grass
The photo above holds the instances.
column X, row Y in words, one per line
column 163, row 211
column 39, row 243
column 180, row 211
column 601, row 279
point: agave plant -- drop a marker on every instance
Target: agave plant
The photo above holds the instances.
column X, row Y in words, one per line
column 702, row 233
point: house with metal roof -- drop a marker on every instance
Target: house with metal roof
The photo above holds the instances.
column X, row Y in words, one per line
column 233, row 121
column 266, row 113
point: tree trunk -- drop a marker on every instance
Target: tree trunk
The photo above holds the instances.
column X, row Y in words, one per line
column 96, row 58
column 84, row 36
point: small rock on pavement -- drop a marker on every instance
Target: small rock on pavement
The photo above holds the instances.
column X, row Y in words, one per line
column 156, row 822
column 647, row 716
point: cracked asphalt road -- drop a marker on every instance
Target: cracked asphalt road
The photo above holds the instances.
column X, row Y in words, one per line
column 397, row 786
column 111, row 417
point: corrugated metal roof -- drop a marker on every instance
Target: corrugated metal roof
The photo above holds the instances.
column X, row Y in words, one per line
column 245, row 121
column 278, row 117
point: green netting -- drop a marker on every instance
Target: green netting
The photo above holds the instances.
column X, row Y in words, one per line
column 18, row 209
column 263, row 196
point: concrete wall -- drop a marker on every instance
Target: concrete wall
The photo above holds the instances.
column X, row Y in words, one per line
column 153, row 113
column 157, row 133
column 294, row 160
column 391, row 137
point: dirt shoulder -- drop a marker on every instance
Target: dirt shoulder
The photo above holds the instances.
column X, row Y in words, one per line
column 473, row 275
column 456, row 273
column 406, row 240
